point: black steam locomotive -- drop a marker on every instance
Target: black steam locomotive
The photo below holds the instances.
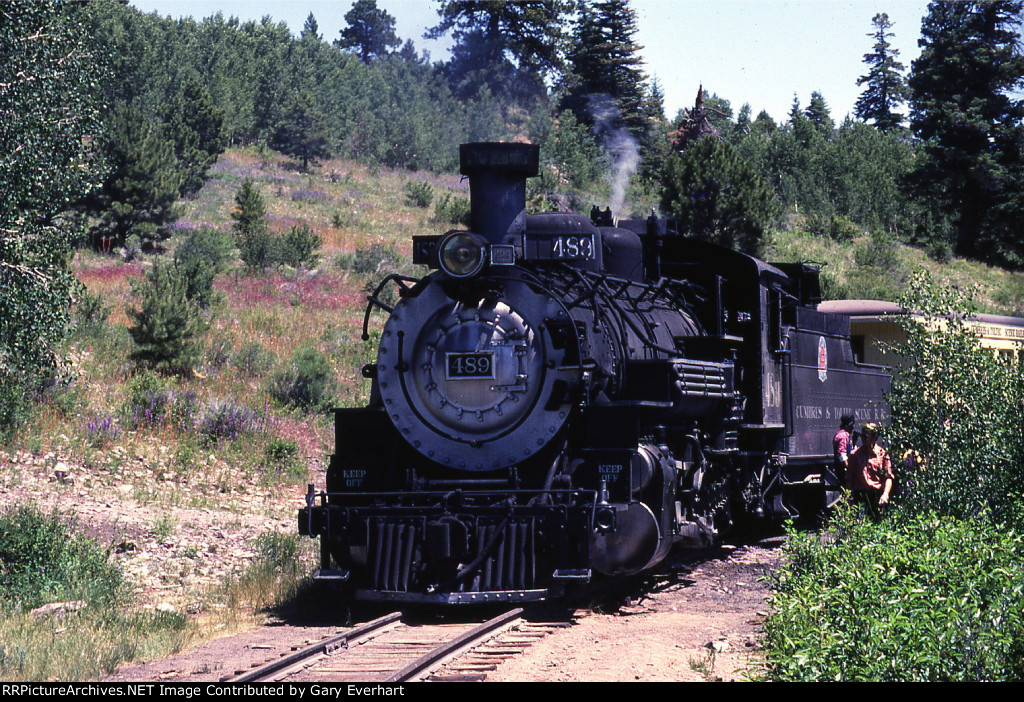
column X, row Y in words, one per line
column 563, row 397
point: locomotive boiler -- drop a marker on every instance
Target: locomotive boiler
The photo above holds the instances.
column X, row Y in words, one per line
column 565, row 397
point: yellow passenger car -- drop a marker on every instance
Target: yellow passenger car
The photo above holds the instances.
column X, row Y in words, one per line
column 875, row 330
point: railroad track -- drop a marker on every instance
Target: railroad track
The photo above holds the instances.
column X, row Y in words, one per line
column 395, row 649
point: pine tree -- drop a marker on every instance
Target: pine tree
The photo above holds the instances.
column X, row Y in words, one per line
column 793, row 158
column 742, row 128
column 252, row 235
column 195, row 125
column 199, row 259
column 139, row 197
column 655, row 146
column 717, row 196
column 302, row 133
column 370, row 31
column 529, row 33
column 886, row 88
column 606, row 67
column 818, row 114
column 310, row 29
column 763, row 124
column 167, row 326
column 796, row 113
column 504, row 50
column 867, row 167
column 800, row 125
column 970, row 166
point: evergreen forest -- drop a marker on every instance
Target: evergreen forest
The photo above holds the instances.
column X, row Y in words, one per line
column 191, row 211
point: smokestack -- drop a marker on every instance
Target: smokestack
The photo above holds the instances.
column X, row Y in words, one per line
column 497, row 186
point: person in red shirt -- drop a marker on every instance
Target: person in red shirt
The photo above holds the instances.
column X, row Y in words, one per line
column 869, row 472
column 842, row 445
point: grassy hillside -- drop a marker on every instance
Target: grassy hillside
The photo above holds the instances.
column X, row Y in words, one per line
column 878, row 267
column 365, row 218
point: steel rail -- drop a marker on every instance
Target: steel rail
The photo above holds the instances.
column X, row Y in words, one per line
column 425, row 662
column 322, row 647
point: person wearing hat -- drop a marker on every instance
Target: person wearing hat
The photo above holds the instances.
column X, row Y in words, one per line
column 869, row 472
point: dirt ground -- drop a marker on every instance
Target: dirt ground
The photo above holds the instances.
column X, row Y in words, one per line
column 697, row 620
column 700, row 622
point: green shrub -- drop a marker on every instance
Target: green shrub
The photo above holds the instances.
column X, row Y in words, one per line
column 67, row 397
column 940, row 250
column 219, row 351
column 881, row 272
column 925, row 598
column 281, row 458
column 352, row 218
column 225, row 420
column 142, row 389
column 91, row 313
column 880, row 252
column 452, row 209
column 274, row 576
column 369, row 261
column 15, row 408
column 842, row 229
column 959, row 407
column 201, row 258
column 151, row 402
column 936, row 592
column 279, row 552
column 307, row 382
column 43, row 560
column 298, row 248
column 132, row 248
column 253, row 360
column 418, row 193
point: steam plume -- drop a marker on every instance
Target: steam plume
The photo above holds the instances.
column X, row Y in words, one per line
column 618, row 143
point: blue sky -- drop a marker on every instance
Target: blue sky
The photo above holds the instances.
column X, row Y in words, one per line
column 757, row 51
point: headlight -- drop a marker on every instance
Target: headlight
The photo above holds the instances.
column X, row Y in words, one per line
column 462, row 255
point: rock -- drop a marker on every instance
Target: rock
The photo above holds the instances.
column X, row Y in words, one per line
column 718, row 646
column 57, row 609
column 62, row 474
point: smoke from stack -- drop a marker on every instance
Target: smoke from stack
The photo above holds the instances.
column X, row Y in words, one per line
column 618, row 143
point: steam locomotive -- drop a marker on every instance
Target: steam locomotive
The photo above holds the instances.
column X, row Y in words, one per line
column 564, row 397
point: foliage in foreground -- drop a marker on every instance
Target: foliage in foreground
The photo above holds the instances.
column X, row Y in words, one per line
column 50, row 118
column 935, row 592
column 959, row 407
column 40, row 562
column 922, row 598
column 43, row 560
